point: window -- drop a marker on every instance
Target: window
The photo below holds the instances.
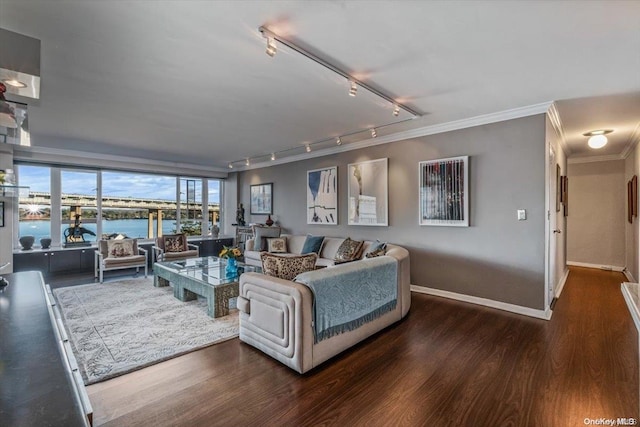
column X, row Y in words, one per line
column 132, row 204
column 78, row 200
column 35, row 209
column 136, row 205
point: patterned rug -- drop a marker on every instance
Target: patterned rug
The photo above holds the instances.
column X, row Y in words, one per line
column 118, row 327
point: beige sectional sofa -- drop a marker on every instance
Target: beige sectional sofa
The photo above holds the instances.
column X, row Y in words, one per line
column 276, row 315
column 295, row 243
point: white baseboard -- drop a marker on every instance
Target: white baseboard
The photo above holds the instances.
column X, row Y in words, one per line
column 598, row 266
column 563, row 281
column 629, row 276
column 526, row 311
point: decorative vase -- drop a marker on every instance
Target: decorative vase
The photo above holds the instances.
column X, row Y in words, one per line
column 27, row 242
column 45, row 242
column 232, row 267
column 269, row 221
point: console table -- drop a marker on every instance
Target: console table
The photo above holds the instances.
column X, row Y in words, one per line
column 37, row 385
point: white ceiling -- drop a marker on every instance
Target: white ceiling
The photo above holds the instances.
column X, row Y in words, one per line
column 189, row 81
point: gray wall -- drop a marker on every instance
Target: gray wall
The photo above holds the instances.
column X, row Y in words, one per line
column 497, row 257
column 597, row 206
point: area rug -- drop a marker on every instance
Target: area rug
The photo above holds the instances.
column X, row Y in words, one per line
column 118, row 327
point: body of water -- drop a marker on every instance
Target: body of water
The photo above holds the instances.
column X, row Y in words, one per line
column 134, row 228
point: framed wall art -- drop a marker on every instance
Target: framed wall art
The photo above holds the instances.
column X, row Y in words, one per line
column 558, row 188
column 368, row 196
column 634, row 195
column 261, row 199
column 565, row 195
column 444, row 192
column 1, row 214
column 322, row 196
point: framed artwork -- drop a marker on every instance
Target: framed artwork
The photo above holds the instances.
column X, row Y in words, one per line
column 629, row 202
column 1, row 214
column 368, row 198
column 634, row 195
column 558, row 188
column 565, row 195
column 262, row 199
column 444, row 192
column 322, row 196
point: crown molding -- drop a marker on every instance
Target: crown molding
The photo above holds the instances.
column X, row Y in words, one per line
column 77, row 158
column 593, row 159
column 633, row 142
column 483, row 119
column 556, row 123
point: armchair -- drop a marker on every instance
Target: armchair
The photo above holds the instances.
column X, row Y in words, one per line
column 172, row 247
column 119, row 254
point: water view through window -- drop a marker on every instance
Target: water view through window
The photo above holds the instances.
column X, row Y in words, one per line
column 134, row 205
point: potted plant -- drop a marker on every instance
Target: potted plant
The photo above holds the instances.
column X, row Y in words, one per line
column 231, row 255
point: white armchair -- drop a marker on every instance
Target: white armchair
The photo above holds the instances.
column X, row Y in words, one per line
column 172, row 247
column 119, row 254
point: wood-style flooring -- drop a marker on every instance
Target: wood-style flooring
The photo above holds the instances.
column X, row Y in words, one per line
column 447, row 364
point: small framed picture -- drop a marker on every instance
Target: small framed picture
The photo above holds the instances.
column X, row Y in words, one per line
column 1, row 214
column 262, row 199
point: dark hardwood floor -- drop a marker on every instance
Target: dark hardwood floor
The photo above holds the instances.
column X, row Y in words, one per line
column 447, row 364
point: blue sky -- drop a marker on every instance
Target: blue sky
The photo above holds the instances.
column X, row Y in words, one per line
column 122, row 184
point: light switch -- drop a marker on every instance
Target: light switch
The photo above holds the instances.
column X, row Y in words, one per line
column 522, row 214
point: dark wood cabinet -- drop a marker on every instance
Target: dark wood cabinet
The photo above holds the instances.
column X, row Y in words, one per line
column 60, row 261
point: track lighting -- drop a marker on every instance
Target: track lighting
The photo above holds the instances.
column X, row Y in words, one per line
column 308, row 148
column 353, row 89
column 271, row 47
column 374, row 134
column 230, row 165
column 273, row 156
column 396, row 111
column 247, row 163
column 338, row 141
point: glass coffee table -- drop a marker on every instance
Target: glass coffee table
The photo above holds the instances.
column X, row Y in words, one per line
column 205, row 276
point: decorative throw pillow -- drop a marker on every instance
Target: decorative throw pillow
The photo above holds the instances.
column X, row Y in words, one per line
column 175, row 243
column 119, row 248
column 277, row 245
column 287, row 267
column 349, row 250
column 376, row 249
column 312, row 244
column 260, row 235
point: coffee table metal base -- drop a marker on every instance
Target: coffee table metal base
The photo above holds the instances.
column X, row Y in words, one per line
column 186, row 289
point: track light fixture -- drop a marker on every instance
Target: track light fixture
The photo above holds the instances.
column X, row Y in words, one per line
column 273, row 156
column 353, row 89
column 272, row 49
column 246, row 162
column 374, row 134
column 308, row 148
column 354, row 82
column 396, row 111
column 338, row 141
column 230, row 165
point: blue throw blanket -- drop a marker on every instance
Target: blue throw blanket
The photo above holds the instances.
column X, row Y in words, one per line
column 348, row 296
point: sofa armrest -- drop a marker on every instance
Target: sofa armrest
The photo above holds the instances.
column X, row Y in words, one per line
column 144, row 252
column 276, row 317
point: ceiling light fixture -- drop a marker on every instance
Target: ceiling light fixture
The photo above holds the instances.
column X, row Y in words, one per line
column 247, row 162
column 353, row 89
column 15, row 83
column 338, row 141
column 273, row 156
column 268, row 34
column 308, row 148
column 230, row 165
column 374, row 134
column 597, row 138
column 272, row 49
column 396, row 111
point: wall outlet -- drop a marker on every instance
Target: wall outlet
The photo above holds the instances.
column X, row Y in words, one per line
column 522, row 214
